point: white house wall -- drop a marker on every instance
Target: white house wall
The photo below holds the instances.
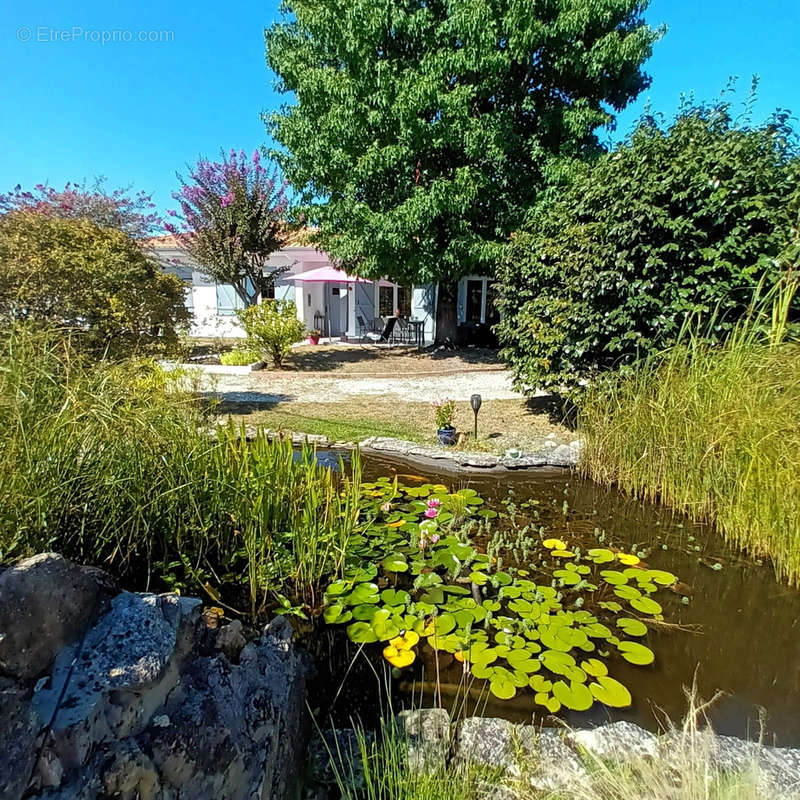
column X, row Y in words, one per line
column 423, row 306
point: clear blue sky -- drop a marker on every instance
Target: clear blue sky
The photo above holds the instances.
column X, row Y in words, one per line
column 137, row 111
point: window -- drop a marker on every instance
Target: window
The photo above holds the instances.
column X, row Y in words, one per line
column 228, row 302
column 392, row 297
column 474, row 311
column 404, row 300
column 386, row 301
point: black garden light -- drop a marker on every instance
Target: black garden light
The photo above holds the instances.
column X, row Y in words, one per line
column 475, row 401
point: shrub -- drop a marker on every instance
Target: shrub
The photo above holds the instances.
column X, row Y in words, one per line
column 74, row 273
column 684, row 219
column 272, row 328
column 239, row 357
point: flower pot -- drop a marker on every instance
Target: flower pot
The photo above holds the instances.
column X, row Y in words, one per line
column 446, row 436
column 313, row 339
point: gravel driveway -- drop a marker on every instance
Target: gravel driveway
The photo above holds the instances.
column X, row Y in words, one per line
column 317, row 387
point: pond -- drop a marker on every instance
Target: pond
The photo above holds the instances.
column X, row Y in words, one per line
column 736, row 631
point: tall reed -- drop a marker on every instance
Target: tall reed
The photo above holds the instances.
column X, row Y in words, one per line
column 113, row 464
column 712, row 431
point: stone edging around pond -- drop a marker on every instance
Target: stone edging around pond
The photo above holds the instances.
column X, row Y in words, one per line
column 555, row 455
column 555, row 759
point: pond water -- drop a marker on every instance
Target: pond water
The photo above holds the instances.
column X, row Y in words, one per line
column 739, row 630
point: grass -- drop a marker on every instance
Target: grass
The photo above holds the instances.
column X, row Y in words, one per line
column 109, row 464
column 501, row 423
column 684, row 765
column 713, row 431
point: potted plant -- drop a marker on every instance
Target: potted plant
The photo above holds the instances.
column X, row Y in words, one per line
column 313, row 336
column 444, row 410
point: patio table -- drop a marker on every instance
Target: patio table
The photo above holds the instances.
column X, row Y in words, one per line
column 417, row 330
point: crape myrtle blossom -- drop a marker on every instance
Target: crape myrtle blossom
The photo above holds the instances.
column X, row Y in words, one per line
column 133, row 214
column 231, row 217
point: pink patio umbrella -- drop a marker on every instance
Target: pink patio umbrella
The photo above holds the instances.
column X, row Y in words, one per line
column 331, row 275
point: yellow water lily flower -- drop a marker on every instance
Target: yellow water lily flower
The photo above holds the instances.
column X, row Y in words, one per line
column 554, row 544
column 399, row 658
column 459, row 656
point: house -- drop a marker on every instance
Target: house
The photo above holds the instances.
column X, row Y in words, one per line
column 326, row 298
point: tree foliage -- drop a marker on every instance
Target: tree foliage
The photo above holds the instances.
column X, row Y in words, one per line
column 683, row 219
column 421, row 132
column 76, row 274
column 133, row 214
column 272, row 327
column 232, row 217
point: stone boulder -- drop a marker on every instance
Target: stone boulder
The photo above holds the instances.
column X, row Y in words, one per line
column 46, row 602
column 138, row 697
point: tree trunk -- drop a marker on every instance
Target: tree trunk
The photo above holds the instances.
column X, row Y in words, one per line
column 446, row 313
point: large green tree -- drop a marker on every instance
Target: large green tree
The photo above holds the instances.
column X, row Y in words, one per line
column 421, row 131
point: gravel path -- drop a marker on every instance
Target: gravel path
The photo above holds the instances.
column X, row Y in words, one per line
column 317, row 388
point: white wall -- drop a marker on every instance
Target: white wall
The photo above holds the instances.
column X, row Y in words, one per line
column 423, row 306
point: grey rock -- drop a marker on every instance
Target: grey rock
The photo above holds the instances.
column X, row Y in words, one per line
column 525, row 461
column 476, row 460
column 556, row 765
column 146, row 716
column 236, row 731
column 427, row 733
column 616, row 742
column 46, row 602
column 487, row 742
column 115, row 679
column 19, row 727
column 563, row 456
column 230, row 640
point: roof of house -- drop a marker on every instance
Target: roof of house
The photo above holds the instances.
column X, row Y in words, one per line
column 298, row 237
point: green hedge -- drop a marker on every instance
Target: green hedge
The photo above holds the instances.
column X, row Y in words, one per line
column 682, row 219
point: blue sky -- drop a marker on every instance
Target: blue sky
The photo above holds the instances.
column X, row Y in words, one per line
column 138, row 111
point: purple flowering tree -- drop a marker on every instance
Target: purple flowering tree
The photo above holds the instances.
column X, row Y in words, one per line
column 232, row 217
column 132, row 214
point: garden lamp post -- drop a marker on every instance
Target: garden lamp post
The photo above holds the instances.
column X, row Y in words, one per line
column 475, row 401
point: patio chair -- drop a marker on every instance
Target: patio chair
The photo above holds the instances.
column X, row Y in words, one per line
column 367, row 330
column 402, row 331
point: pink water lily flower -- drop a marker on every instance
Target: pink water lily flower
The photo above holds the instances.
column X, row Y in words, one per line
column 435, row 538
column 431, row 513
column 434, row 502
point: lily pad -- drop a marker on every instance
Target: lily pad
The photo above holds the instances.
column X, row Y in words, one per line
column 554, row 544
column 610, row 692
column 336, row 614
column 361, row 633
column 646, row 605
column 633, row 627
column 395, row 563
column 636, row 653
column 575, row 696
column 399, row 658
column 395, row 597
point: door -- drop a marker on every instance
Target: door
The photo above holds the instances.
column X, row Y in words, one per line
column 336, row 310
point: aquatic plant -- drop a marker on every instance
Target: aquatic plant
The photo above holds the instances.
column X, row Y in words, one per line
column 553, row 625
column 711, row 431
